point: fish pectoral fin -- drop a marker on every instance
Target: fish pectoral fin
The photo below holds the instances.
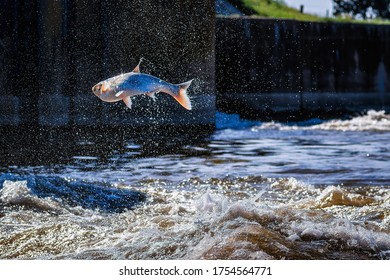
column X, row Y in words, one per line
column 136, row 69
column 151, row 95
column 127, row 101
column 119, row 93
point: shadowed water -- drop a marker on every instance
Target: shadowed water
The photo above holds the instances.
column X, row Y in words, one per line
column 311, row 190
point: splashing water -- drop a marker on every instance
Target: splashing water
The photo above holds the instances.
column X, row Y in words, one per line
column 272, row 191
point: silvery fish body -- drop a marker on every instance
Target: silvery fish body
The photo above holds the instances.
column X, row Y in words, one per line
column 125, row 86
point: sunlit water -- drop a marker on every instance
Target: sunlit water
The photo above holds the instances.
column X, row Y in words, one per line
column 311, row 190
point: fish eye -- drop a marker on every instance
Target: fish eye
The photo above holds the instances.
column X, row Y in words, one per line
column 97, row 87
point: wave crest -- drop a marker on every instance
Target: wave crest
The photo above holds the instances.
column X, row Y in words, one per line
column 371, row 121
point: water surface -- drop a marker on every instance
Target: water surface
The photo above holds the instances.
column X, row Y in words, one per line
column 311, row 190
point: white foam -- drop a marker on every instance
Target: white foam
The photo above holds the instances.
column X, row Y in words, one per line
column 312, row 233
column 18, row 193
column 230, row 226
column 372, row 121
column 210, row 204
column 294, row 237
column 14, row 192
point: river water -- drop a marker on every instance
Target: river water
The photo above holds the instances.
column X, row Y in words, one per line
column 251, row 190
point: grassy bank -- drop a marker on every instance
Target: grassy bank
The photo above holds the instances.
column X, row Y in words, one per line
column 277, row 9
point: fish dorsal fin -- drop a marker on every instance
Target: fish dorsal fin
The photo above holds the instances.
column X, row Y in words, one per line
column 136, row 69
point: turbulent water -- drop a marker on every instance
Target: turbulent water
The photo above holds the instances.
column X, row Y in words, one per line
column 311, row 190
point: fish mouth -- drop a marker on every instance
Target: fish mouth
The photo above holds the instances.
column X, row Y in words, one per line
column 96, row 89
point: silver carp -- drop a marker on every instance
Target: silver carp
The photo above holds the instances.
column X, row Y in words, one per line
column 125, row 86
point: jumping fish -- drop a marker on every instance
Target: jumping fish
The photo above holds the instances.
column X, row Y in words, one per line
column 125, row 86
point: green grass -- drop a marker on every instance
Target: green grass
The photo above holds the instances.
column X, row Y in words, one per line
column 277, row 9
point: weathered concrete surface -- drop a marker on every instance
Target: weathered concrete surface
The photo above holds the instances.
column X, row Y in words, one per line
column 269, row 67
column 53, row 52
column 298, row 106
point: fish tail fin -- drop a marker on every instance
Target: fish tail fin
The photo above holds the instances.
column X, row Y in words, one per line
column 181, row 95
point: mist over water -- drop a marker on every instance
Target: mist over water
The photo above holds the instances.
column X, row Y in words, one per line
column 310, row 190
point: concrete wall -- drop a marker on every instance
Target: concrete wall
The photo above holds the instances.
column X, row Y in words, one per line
column 53, row 52
column 267, row 67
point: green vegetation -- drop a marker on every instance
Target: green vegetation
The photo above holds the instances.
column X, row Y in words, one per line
column 363, row 8
column 278, row 9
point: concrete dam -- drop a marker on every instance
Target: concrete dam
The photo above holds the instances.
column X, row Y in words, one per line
column 268, row 68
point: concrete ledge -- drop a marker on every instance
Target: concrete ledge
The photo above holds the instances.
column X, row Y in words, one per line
column 301, row 105
column 9, row 110
column 347, row 102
